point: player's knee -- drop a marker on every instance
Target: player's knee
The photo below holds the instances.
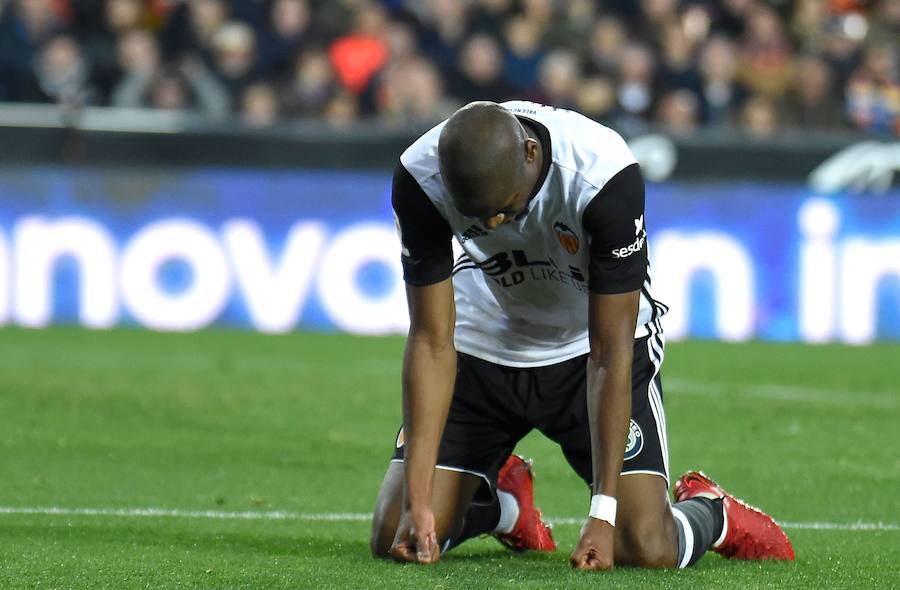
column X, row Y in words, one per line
column 379, row 547
column 380, row 550
column 382, row 539
column 647, row 544
column 654, row 553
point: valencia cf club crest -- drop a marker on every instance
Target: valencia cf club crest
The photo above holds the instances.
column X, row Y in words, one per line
column 635, row 441
column 566, row 237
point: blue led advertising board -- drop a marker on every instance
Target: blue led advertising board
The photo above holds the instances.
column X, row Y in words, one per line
column 285, row 250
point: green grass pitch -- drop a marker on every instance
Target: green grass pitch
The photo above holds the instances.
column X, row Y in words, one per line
column 303, row 424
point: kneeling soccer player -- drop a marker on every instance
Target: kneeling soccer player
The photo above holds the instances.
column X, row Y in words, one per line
column 544, row 321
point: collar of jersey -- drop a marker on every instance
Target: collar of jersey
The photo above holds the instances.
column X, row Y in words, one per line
column 546, row 149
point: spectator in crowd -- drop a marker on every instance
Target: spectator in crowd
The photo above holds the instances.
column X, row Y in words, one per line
column 445, row 26
column 678, row 112
column 812, row 102
column 539, row 11
column 873, row 93
column 290, row 23
column 807, row 23
column 523, row 53
column 596, row 98
column 758, row 117
column 606, row 45
column 259, row 106
column 636, row 87
column 409, row 89
column 696, row 22
column 185, row 86
column 123, row 15
column 885, row 22
column 479, row 71
column 765, row 55
column 333, row 18
column 720, row 92
column 138, row 58
column 168, row 91
column 489, row 16
column 234, row 56
column 678, row 69
column 656, row 15
column 25, row 25
column 191, row 26
column 558, row 76
column 402, row 43
column 60, row 75
column 576, row 22
column 120, row 17
column 818, row 64
column 312, row 86
column 402, row 53
column 342, row 110
column 361, row 53
column 731, row 16
column 206, row 17
column 542, row 15
column 413, row 94
column 842, row 46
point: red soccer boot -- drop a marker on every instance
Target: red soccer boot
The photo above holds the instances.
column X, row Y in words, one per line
column 530, row 533
column 749, row 532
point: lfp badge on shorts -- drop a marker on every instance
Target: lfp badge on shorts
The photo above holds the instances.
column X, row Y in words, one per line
column 635, row 441
column 566, row 237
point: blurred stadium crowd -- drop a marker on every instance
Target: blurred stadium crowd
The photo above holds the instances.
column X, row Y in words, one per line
column 679, row 65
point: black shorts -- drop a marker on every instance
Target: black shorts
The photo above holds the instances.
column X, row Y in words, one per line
column 495, row 406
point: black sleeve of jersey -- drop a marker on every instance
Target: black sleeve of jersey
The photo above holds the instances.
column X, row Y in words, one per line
column 614, row 219
column 427, row 252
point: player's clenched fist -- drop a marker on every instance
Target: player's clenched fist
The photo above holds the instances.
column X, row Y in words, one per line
column 416, row 539
column 595, row 548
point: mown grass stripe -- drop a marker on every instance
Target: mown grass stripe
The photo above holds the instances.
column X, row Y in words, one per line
column 352, row 516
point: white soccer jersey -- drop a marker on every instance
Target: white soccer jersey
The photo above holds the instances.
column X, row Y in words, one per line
column 521, row 289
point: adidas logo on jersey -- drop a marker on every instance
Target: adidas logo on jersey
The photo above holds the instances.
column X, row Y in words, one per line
column 471, row 233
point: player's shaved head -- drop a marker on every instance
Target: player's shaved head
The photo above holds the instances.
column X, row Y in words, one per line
column 481, row 152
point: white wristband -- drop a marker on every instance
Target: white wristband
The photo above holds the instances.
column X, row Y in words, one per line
column 603, row 508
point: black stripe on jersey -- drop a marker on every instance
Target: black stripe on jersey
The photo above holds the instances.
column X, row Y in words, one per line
column 658, row 308
column 463, row 259
column 648, row 282
column 654, row 325
column 655, row 345
column 654, row 311
column 656, row 342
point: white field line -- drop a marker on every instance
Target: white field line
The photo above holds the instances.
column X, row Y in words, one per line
column 354, row 517
column 773, row 391
column 815, row 526
column 210, row 514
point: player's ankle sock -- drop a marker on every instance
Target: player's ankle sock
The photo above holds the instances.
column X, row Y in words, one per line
column 509, row 513
column 480, row 519
column 700, row 522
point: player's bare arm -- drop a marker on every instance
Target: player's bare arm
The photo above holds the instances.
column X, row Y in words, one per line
column 612, row 319
column 429, row 370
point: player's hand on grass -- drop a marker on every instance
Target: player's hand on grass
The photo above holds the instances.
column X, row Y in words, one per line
column 595, row 548
column 416, row 539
